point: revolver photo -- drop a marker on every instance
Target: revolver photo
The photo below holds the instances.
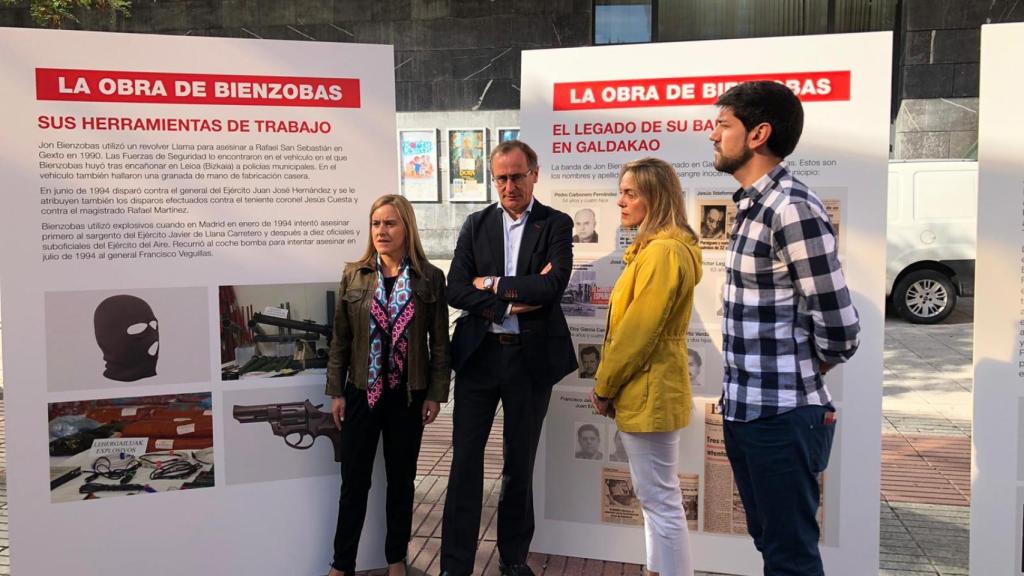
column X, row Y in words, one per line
column 299, row 423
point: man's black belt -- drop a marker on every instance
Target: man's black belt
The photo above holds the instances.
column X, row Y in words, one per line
column 505, row 339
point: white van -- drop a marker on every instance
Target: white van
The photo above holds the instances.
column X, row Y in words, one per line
column 931, row 237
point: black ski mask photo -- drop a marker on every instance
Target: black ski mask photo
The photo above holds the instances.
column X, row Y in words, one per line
column 127, row 333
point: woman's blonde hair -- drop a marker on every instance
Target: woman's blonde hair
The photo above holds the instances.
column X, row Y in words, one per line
column 413, row 246
column 657, row 183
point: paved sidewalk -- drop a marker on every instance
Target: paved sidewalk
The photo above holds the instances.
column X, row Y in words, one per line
column 925, row 465
column 926, row 445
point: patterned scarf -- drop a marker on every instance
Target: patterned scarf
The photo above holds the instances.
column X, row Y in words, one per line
column 389, row 327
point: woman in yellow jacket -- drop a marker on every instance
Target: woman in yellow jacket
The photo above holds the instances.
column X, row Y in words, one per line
column 642, row 380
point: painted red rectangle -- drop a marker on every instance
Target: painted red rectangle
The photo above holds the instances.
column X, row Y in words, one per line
column 179, row 88
column 692, row 91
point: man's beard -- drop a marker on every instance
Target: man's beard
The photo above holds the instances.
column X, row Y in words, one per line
column 730, row 164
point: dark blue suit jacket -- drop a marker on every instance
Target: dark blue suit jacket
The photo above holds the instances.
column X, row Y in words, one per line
column 480, row 251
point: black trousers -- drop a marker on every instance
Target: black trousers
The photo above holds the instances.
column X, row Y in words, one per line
column 776, row 462
column 496, row 372
column 401, row 425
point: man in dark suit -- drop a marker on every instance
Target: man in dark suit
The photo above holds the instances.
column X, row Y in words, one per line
column 511, row 344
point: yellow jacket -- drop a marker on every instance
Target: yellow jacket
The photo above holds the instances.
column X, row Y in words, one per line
column 644, row 360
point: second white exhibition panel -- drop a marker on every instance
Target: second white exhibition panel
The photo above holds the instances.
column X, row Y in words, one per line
column 587, row 111
column 997, row 466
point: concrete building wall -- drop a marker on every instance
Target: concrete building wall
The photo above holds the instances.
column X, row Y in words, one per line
column 449, row 54
column 937, row 84
column 936, row 128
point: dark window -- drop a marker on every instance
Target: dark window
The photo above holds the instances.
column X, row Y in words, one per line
column 626, row 21
column 623, row 21
column 721, row 19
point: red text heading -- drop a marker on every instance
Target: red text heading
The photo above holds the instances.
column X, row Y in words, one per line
column 693, row 91
column 174, row 88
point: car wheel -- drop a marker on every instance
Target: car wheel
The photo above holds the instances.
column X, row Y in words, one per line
column 924, row 297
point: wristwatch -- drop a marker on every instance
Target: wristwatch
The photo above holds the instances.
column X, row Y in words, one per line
column 489, row 283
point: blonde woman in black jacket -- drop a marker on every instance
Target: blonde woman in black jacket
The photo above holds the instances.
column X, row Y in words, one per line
column 387, row 375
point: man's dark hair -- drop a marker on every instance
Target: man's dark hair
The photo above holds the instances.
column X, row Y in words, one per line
column 587, row 428
column 768, row 102
column 590, row 351
column 506, row 147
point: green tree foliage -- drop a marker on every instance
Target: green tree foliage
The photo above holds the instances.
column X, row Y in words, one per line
column 57, row 13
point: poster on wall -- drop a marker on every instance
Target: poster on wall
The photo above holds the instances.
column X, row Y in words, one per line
column 997, row 465
column 589, row 111
column 178, row 212
column 467, row 165
column 504, row 135
column 508, row 134
column 420, row 180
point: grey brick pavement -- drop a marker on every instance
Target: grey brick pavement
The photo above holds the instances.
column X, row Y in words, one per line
column 918, row 539
column 929, row 375
column 927, row 392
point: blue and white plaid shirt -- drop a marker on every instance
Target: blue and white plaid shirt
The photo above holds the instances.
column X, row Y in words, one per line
column 786, row 307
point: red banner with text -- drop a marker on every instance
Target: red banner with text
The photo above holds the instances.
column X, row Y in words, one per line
column 692, row 91
column 179, row 88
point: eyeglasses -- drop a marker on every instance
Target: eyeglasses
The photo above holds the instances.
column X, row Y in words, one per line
column 513, row 178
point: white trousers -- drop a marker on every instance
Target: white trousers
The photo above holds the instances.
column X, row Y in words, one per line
column 653, row 464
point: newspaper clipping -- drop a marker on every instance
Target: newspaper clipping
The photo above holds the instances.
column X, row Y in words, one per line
column 689, row 485
column 590, row 287
column 723, row 509
column 619, row 504
column 625, row 235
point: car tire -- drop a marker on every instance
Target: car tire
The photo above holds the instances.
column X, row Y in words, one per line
column 924, row 297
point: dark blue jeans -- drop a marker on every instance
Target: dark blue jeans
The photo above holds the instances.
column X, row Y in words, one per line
column 776, row 462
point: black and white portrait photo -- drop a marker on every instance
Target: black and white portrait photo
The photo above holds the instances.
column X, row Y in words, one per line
column 589, row 359
column 585, row 231
column 588, row 442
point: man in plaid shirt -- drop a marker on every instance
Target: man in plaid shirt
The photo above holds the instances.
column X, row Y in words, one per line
column 787, row 320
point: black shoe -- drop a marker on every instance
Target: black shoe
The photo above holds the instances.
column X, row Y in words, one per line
column 515, row 570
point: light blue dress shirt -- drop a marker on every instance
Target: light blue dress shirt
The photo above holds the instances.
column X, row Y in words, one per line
column 513, row 233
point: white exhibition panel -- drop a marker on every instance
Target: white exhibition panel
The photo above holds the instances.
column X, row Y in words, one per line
column 588, row 110
column 268, row 153
column 997, row 470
